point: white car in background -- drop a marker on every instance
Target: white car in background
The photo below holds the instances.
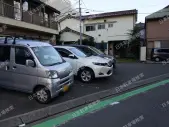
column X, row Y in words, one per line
column 86, row 67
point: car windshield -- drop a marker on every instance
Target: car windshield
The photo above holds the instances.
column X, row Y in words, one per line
column 47, row 55
column 88, row 51
column 78, row 52
column 97, row 50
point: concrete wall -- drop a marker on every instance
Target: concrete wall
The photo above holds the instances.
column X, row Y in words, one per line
column 21, row 24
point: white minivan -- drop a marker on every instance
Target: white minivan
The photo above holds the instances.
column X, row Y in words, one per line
column 86, row 67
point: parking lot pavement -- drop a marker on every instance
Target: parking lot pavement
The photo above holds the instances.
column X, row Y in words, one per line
column 147, row 108
column 123, row 73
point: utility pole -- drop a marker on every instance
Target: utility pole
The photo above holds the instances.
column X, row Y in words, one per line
column 80, row 23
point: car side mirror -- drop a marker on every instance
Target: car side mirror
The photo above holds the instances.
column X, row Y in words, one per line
column 72, row 56
column 30, row 63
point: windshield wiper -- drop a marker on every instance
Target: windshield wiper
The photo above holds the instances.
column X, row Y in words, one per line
column 54, row 64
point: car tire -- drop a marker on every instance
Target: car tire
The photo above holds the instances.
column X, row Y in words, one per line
column 43, row 95
column 86, row 75
column 157, row 59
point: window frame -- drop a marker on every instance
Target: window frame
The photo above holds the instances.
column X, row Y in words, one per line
column 33, row 59
column 110, row 25
column 90, row 28
column 9, row 52
column 100, row 26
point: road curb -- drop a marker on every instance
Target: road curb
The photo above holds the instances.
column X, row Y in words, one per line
column 39, row 114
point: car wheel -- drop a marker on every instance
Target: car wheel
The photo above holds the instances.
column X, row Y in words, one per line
column 86, row 75
column 43, row 95
column 157, row 59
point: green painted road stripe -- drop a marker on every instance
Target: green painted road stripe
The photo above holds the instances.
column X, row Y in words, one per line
column 64, row 118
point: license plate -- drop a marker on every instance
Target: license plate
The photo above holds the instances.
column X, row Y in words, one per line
column 65, row 88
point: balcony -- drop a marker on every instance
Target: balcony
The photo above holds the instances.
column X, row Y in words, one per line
column 37, row 18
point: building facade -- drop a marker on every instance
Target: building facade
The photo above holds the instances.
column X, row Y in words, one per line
column 31, row 18
column 111, row 28
column 157, row 30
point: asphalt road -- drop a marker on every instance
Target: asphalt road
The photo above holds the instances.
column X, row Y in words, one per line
column 123, row 73
column 149, row 109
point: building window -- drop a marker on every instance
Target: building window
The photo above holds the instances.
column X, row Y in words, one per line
column 101, row 26
column 90, row 28
column 110, row 25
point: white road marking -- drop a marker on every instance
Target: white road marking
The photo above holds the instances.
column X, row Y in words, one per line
column 114, row 103
column 22, row 125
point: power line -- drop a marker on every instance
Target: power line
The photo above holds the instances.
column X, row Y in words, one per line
column 71, row 10
column 122, row 10
column 66, row 13
column 84, row 3
column 93, row 10
column 69, row 6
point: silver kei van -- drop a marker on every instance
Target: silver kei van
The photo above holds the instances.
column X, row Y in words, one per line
column 33, row 67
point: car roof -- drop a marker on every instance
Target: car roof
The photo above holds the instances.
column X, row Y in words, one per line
column 79, row 45
column 24, row 42
column 65, row 47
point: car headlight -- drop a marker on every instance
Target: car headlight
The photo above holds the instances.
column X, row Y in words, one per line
column 100, row 64
column 52, row 74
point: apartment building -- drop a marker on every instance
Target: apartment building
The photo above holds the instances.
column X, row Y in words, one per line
column 31, row 18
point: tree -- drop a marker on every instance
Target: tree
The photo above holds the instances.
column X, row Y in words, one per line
column 134, row 41
column 134, row 36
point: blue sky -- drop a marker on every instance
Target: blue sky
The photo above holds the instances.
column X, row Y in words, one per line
column 144, row 7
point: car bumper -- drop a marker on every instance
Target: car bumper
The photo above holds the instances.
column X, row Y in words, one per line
column 102, row 71
column 59, row 84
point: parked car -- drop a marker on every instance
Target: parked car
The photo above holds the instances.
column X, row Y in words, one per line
column 90, row 50
column 86, row 67
column 159, row 54
column 34, row 67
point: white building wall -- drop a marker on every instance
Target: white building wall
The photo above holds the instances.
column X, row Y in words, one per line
column 121, row 27
column 68, row 36
column 72, row 23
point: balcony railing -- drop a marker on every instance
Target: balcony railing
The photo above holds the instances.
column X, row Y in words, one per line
column 9, row 11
